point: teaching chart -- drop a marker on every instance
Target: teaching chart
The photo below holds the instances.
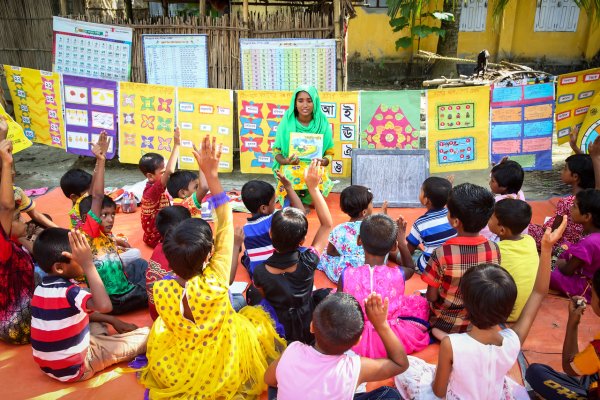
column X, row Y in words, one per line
column 590, row 128
column 37, row 104
column 202, row 112
column 285, row 64
column 90, row 108
column 521, row 125
column 390, row 119
column 15, row 133
column 458, row 128
column 146, row 120
column 574, row 95
column 94, row 50
column 187, row 57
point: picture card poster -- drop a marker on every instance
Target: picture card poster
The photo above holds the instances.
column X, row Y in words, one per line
column 390, row 119
column 187, row 57
column 458, row 128
column 306, row 146
column 37, row 104
column 146, row 120
column 522, row 122
column 574, row 95
column 285, row 64
column 202, row 112
column 90, row 108
column 590, row 129
column 94, row 50
column 15, row 133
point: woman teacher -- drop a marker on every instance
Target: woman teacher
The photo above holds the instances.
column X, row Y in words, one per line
column 303, row 118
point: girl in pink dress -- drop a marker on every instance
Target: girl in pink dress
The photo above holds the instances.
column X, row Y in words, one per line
column 407, row 315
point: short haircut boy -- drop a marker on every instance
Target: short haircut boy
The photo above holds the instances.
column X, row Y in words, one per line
column 378, row 234
column 169, row 217
column 257, row 193
column 86, row 205
column 150, row 162
column 75, row 182
column 338, row 323
column 510, row 175
column 288, row 229
column 49, row 246
column 473, row 205
column 180, row 180
column 354, row 199
column 437, row 191
column 187, row 245
column 581, row 164
column 513, row 214
column 588, row 202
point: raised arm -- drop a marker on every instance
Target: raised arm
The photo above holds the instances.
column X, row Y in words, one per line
column 573, row 140
column 202, row 187
column 291, row 193
column 172, row 163
column 99, row 149
column 570, row 346
column 7, row 199
column 3, row 128
column 238, row 241
column 408, row 265
column 594, row 152
column 313, row 177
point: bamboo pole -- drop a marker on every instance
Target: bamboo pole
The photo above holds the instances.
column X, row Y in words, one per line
column 245, row 13
column 202, row 8
column 337, row 26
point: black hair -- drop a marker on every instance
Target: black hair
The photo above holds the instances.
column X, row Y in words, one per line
column 85, row 205
column 596, row 282
column 473, row 205
column 354, row 199
column 510, row 175
column 288, row 229
column 514, row 214
column 489, row 293
column 338, row 322
column 581, row 164
column 180, row 180
column 49, row 246
column 169, row 217
column 257, row 193
column 588, row 201
column 75, row 182
column 296, row 97
column 150, row 162
column 437, row 191
column 378, row 234
column 187, row 246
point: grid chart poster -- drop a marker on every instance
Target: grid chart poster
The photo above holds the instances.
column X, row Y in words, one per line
column 176, row 60
column 202, row 112
column 458, row 128
column 285, row 64
column 90, row 108
column 37, row 104
column 574, row 95
column 146, row 120
column 521, row 125
column 15, row 133
column 94, row 50
column 390, row 119
column 590, row 129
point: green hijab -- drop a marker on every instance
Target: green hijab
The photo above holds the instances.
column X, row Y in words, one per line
column 289, row 124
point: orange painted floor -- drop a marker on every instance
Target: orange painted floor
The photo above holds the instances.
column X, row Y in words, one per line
column 544, row 343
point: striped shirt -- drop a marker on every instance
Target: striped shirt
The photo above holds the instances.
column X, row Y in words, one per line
column 60, row 334
column 432, row 229
column 257, row 241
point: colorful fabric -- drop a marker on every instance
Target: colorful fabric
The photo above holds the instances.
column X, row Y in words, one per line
column 587, row 362
column 154, row 199
column 432, row 229
column 23, row 204
column 158, row 269
column 74, row 215
column 191, row 203
column 295, row 174
column 257, row 241
column 407, row 315
column 444, row 271
column 218, row 354
column 344, row 238
column 60, row 334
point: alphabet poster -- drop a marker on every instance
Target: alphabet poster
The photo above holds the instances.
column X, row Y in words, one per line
column 90, row 108
column 201, row 112
column 146, row 120
column 15, row 133
column 522, row 124
column 590, row 129
column 458, row 128
column 574, row 95
column 390, row 119
column 37, row 104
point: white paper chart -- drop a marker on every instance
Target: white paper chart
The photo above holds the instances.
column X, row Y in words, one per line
column 285, row 64
column 176, row 60
column 92, row 50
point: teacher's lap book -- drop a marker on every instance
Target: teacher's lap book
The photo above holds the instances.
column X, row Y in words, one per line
column 306, row 146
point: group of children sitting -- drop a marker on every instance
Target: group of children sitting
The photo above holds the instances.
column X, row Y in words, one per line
column 487, row 270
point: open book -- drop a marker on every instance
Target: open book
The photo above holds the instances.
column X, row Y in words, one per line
column 306, row 146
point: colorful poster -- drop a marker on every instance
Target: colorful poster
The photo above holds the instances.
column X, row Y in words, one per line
column 458, row 128
column 285, row 64
column 306, row 146
column 574, row 94
column 590, row 129
column 90, row 108
column 94, row 50
column 15, row 133
column 202, row 112
column 37, row 104
column 146, row 120
column 521, row 125
column 390, row 119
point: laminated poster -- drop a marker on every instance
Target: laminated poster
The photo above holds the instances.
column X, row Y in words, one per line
column 15, row 133
column 590, row 128
column 306, row 146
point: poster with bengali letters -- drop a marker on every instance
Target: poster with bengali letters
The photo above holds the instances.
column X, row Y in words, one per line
column 15, row 133
column 590, row 128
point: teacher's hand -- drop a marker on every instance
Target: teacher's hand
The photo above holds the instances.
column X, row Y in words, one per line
column 291, row 160
column 324, row 161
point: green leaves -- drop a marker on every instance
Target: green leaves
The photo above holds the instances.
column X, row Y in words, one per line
column 405, row 42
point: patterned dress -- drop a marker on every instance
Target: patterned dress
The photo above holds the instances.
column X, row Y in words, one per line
column 344, row 238
column 154, row 199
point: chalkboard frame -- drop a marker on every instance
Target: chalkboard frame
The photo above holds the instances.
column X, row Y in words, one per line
column 395, row 175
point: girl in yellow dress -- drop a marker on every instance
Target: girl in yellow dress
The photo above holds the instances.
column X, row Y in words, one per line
column 199, row 347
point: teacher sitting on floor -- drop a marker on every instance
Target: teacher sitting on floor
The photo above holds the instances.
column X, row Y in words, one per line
column 303, row 134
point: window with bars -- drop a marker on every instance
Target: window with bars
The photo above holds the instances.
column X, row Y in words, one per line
column 376, row 3
column 473, row 16
column 556, row 16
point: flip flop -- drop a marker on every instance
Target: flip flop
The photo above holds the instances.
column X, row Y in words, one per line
column 35, row 192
